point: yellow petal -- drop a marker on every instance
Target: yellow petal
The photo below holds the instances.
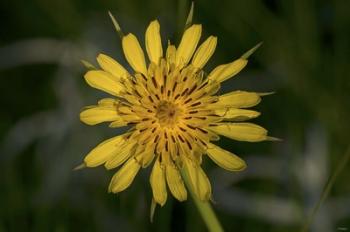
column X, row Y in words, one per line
column 130, row 118
column 158, row 185
column 175, row 183
column 118, row 123
column 104, row 81
column 124, row 177
column 148, row 155
column 237, row 99
column 154, row 42
column 226, row 71
column 98, row 114
column 235, row 114
column 204, row 52
column 103, row 152
column 225, row 159
column 123, row 153
column 110, row 65
column 198, row 179
column 188, row 44
column 171, row 54
column 134, row 53
column 241, row 131
column 109, row 102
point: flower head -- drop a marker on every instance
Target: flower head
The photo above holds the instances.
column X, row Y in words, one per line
column 173, row 113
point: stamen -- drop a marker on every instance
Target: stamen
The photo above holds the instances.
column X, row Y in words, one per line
column 166, row 146
column 193, row 88
column 156, row 139
column 203, row 85
column 150, row 98
column 175, row 85
column 184, row 92
column 189, row 145
column 137, row 93
column 144, row 77
column 191, row 127
column 202, row 130
column 196, row 104
column 180, row 137
column 154, row 82
column 188, row 100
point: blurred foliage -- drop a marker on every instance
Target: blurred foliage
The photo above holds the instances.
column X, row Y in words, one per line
column 304, row 58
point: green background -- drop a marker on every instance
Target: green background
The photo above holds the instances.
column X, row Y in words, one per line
column 304, row 59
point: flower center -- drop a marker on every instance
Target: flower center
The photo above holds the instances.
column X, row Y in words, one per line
column 168, row 113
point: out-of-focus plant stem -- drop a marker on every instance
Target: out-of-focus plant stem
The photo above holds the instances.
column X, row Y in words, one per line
column 204, row 208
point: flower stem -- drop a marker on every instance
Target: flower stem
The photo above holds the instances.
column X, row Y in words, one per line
column 204, row 208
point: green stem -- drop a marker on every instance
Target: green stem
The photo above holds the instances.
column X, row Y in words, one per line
column 341, row 165
column 204, row 208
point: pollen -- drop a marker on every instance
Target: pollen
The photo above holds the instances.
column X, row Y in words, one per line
column 168, row 114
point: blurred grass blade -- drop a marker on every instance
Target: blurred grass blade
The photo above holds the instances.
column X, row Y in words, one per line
column 340, row 166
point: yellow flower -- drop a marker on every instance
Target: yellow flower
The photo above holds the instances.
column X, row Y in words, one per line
column 172, row 111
